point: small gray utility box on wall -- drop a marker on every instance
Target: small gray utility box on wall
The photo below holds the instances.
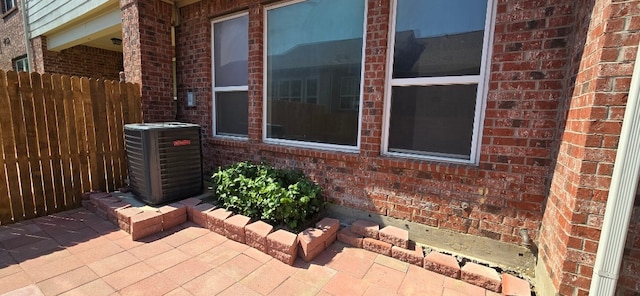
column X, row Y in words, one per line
column 164, row 160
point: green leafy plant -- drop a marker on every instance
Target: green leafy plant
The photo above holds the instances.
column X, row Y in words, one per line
column 262, row 192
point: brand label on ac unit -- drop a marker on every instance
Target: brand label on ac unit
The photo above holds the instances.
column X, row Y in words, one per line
column 177, row 143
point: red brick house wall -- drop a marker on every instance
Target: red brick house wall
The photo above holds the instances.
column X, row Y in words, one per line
column 12, row 42
column 575, row 208
column 505, row 192
column 629, row 282
column 80, row 60
column 560, row 74
column 148, row 53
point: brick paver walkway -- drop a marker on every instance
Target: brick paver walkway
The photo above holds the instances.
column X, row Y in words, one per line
column 79, row 253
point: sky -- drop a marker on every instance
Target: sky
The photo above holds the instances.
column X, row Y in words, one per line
column 326, row 20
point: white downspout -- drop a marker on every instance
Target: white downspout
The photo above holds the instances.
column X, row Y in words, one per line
column 621, row 197
column 27, row 32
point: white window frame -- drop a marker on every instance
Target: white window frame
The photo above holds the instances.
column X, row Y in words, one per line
column 316, row 95
column 4, row 5
column 25, row 62
column 303, row 144
column 347, row 96
column 482, row 80
column 215, row 88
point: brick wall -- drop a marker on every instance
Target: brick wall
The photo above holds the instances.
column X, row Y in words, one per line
column 148, row 54
column 629, row 281
column 582, row 175
column 505, row 192
column 80, row 60
column 12, row 43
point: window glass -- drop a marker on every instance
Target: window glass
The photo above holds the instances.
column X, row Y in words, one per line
column 313, row 50
column 231, row 51
column 437, row 38
column 231, row 113
column 230, row 76
column 8, row 5
column 432, row 119
column 22, row 65
column 437, row 76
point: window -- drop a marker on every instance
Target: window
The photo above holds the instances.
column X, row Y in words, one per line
column 21, row 64
column 349, row 93
column 438, row 78
column 230, row 76
column 8, row 5
column 295, row 91
column 314, row 56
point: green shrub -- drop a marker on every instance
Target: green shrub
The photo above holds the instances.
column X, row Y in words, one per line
column 262, row 192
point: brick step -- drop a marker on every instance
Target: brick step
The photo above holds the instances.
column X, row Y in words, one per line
column 286, row 246
column 393, row 241
column 513, row 286
column 481, row 276
column 282, row 245
column 443, row 264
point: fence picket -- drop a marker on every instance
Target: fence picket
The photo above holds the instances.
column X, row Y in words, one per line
column 32, row 145
column 113, row 165
column 60, row 136
column 44, row 198
column 63, row 142
column 6, row 139
column 121, row 110
column 25, row 199
column 54, row 148
column 91, row 115
column 73, row 171
column 81, row 133
column 9, row 143
column 98, row 98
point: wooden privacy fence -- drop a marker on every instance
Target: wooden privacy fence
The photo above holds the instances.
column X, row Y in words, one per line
column 60, row 136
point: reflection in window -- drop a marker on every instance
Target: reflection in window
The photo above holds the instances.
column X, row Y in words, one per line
column 437, row 72
column 230, row 57
column 349, row 93
column 314, row 65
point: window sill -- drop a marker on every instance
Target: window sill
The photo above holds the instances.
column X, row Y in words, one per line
column 9, row 12
column 237, row 142
column 312, row 146
column 424, row 158
column 315, row 152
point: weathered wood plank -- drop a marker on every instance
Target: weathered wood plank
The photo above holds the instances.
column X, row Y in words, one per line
column 100, row 125
column 113, row 163
column 54, row 144
column 82, row 151
column 74, row 190
column 25, row 135
column 134, row 103
column 43, row 199
column 137, row 103
column 6, row 140
column 119, row 131
column 90, row 131
column 60, row 136
column 12, row 123
column 64, row 172
column 106, row 110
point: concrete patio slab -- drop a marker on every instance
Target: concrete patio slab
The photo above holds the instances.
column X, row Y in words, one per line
column 191, row 260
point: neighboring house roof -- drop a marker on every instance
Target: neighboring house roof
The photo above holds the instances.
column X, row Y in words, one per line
column 449, row 54
column 328, row 53
column 458, row 54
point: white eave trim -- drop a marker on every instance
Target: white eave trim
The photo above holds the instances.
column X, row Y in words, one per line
column 97, row 27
